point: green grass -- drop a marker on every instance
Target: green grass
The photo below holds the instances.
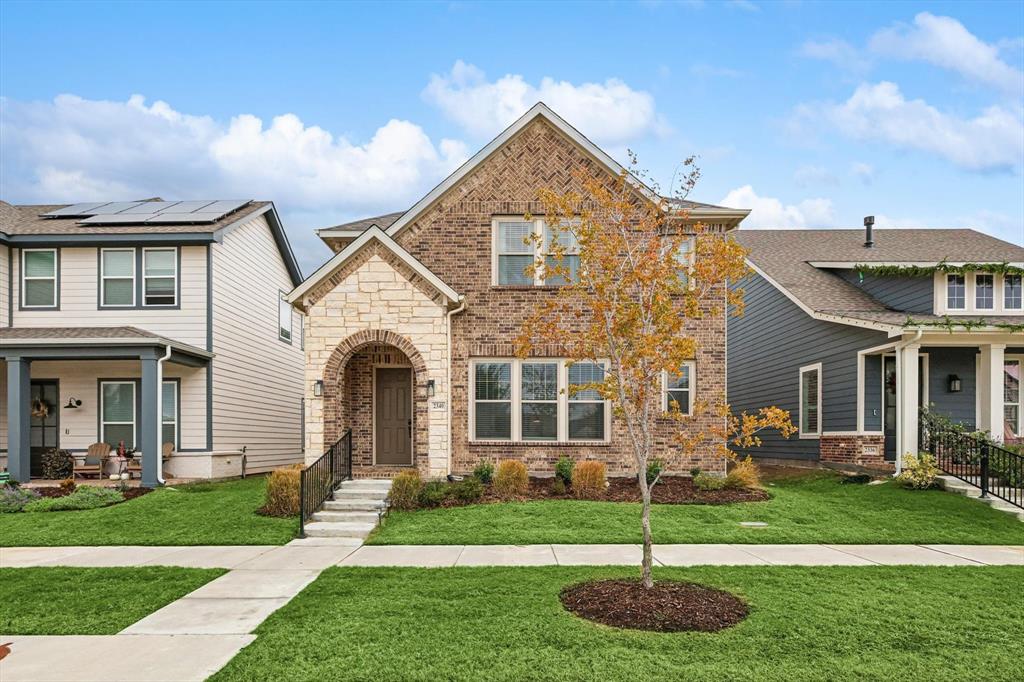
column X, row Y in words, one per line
column 89, row 601
column 883, row 623
column 808, row 509
column 198, row 514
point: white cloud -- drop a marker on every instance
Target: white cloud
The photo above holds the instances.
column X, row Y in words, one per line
column 990, row 141
column 864, row 172
column 945, row 42
column 769, row 212
column 610, row 112
column 75, row 149
column 837, row 51
column 814, row 175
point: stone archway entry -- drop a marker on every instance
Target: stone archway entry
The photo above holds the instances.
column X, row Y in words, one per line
column 393, row 416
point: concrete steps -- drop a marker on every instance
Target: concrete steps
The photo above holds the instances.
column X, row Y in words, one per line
column 354, row 512
column 955, row 485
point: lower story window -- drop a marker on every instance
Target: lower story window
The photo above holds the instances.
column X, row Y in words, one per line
column 537, row 400
column 169, row 417
column 810, row 400
column 117, row 413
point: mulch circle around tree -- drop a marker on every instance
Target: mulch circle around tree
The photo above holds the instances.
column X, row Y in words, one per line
column 668, row 490
column 669, row 606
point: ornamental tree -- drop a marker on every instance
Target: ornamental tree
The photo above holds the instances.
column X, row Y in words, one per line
column 637, row 274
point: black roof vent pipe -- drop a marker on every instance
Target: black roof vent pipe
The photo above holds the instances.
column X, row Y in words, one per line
column 869, row 223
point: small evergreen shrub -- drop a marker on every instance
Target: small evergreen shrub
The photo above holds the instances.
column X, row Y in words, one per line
column 511, row 479
column 405, row 490
column 744, row 475
column 563, row 470
column 57, row 464
column 14, row 499
column 705, row 481
column 558, row 486
column 84, row 497
column 919, row 471
column 589, row 480
column 654, row 469
column 484, row 471
column 282, row 491
column 433, row 494
column 467, row 490
column 695, row 472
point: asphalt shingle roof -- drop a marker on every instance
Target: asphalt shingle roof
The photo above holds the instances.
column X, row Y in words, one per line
column 382, row 221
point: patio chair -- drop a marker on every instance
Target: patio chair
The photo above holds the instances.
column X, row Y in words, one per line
column 135, row 463
column 95, row 458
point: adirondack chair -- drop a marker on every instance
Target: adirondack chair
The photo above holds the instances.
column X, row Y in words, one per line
column 135, row 463
column 95, row 458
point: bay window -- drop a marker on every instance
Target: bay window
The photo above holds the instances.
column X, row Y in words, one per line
column 39, row 287
column 810, row 401
column 545, row 400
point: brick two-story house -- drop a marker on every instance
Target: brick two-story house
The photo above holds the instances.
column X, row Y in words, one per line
column 160, row 324
column 410, row 325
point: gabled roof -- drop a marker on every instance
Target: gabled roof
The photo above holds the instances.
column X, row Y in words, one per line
column 372, row 234
column 798, row 263
column 356, row 227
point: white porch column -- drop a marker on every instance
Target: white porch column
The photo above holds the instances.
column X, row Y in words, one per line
column 908, row 401
column 990, row 390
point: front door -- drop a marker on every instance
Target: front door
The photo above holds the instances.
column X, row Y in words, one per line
column 889, row 399
column 393, row 416
column 44, row 431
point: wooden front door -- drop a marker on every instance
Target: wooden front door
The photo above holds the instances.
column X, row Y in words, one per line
column 393, row 416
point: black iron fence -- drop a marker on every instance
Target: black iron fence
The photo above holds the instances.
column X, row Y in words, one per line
column 995, row 470
column 322, row 477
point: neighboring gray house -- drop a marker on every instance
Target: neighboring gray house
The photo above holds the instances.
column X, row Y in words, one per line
column 854, row 352
column 149, row 322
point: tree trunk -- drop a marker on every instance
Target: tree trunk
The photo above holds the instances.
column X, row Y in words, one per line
column 648, row 559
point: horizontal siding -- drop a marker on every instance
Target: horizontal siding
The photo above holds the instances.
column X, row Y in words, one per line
column 79, row 427
column 766, row 348
column 79, row 294
column 961, row 361
column 258, row 379
column 911, row 294
column 4, row 288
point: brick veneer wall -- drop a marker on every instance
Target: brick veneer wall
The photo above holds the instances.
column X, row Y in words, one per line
column 866, row 451
column 356, row 396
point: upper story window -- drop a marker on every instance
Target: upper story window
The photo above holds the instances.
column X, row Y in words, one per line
column 984, row 288
column 160, row 277
column 284, row 317
column 1013, row 295
column 810, row 401
column 117, row 277
column 518, row 244
column 678, row 390
column 39, row 281
column 956, row 292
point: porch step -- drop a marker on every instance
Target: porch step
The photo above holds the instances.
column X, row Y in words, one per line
column 367, row 484
column 359, row 495
column 955, row 485
column 356, row 516
column 367, row 505
column 344, row 529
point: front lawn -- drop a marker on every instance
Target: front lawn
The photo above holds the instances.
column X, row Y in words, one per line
column 812, row 508
column 90, row 601
column 196, row 514
column 945, row 623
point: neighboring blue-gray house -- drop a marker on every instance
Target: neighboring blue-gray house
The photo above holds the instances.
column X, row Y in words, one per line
column 854, row 332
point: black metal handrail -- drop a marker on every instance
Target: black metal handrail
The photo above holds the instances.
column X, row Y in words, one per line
column 320, row 479
column 995, row 470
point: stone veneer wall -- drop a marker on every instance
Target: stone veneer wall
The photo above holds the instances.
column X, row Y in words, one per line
column 866, row 451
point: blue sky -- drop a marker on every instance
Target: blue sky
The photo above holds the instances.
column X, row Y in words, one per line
column 811, row 114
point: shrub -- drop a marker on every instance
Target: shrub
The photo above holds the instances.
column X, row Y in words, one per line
column 484, row 471
column 654, row 469
column 57, row 464
column 919, row 471
column 563, row 470
column 405, row 490
column 467, row 490
column 283, row 491
column 558, row 486
column 704, row 481
column 589, row 480
column 68, row 485
column 14, row 499
column 511, row 479
column 84, row 497
column 743, row 475
column 694, row 472
column 432, row 494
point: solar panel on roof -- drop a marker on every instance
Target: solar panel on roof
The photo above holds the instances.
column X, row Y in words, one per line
column 200, row 217
column 74, row 210
column 188, row 207
column 113, row 219
column 117, row 207
column 151, row 207
column 145, row 212
column 225, row 207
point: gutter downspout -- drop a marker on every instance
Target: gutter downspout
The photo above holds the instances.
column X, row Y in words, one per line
column 448, row 362
column 160, row 413
column 899, row 347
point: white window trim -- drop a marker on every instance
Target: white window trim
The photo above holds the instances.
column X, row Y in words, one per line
column 692, row 365
column 1002, row 299
column 515, row 401
column 145, row 277
column 1020, row 395
column 941, row 293
column 177, row 415
column 104, row 422
column 34, row 278
column 104, row 277
column 282, row 300
column 816, row 367
column 540, row 251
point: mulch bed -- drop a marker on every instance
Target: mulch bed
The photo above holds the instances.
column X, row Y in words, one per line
column 55, row 491
column 669, row 606
column 668, row 490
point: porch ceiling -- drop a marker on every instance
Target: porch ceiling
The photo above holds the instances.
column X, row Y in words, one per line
column 95, row 343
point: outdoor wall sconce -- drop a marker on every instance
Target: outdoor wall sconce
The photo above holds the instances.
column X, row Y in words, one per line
column 954, row 383
column 73, row 404
column 318, row 388
column 430, row 388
